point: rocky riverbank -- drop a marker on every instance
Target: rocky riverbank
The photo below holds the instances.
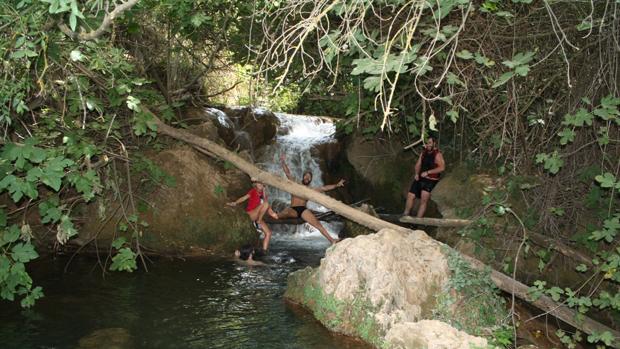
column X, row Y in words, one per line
column 394, row 290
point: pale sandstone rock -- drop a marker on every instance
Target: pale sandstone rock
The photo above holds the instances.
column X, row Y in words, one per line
column 431, row 334
column 381, row 288
column 397, row 273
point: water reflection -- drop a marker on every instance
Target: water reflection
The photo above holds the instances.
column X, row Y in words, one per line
column 191, row 304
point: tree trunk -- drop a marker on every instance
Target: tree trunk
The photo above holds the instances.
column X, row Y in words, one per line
column 502, row 281
column 436, row 222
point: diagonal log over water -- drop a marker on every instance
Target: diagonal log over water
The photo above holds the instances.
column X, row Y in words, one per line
column 502, row 281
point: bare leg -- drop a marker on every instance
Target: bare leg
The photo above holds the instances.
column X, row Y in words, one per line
column 267, row 232
column 309, row 217
column 423, row 201
column 409, row 204
column 261, row 212
column 287, row 213
column 258, row 212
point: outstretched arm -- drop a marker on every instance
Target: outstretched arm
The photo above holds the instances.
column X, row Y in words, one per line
column 331, row 186
column 287, row 171
column 238, row 201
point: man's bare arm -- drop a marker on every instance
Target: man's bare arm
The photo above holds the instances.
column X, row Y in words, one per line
column 418, row 167
column 330, row 186
column 287, row 171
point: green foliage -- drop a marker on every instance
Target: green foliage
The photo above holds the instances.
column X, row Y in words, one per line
column 125, row 258
column 15, row 251
column 480, row 307
column 552, row 162
column 518, row 64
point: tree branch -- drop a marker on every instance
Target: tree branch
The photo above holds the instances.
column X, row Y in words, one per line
column 105, row 24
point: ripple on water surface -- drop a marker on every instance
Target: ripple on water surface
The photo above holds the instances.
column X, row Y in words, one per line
column 178, row 304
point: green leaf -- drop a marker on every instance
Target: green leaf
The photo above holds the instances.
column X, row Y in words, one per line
column 506, row 14
column 581, row 268
column 372, row 83
column 580, row 118
column 555, row 293
column 453, row 114
column 33, row 295
column 133, row 103
column 551, row 162
column 522, row 70
column 452, row 79
column 72, row 21
column 23, row 252
column 607, row 180
column 503, row 79
column 49, row 211
column 566, row 136
column 9, row 235
column 520, row 58
column 119, row 242
column 585, row 24
column 482, row 60
column 465, row 54
column 124, row 260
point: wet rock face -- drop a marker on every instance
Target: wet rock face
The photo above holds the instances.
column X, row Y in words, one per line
column 188, row 217
column 259, row 125
column 366, row 286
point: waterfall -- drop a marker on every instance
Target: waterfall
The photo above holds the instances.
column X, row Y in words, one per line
column 296, row 137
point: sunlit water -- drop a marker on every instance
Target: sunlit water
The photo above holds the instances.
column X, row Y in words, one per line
column 177, row 304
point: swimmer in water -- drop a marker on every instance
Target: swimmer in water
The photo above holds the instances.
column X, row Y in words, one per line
column 245, row 255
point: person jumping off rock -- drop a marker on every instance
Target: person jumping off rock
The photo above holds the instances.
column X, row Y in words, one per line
column 298, row 205
column 256, row 209
column 428, row 168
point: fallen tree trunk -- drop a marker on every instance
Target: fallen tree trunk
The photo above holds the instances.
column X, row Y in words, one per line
column 436, row 222
column 322, row 216
column 502, row 281
column 538, row 239
column 545, row 303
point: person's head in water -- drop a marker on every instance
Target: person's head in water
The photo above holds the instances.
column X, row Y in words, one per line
column 245, row 252
column 307, row 178
column 431, row 142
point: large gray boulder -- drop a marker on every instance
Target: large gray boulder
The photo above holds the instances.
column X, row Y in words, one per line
column 383, row 288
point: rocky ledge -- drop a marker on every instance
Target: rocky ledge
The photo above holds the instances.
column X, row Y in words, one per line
column 394, row 290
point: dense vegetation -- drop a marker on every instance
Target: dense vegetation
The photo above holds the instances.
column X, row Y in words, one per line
column 528, row 89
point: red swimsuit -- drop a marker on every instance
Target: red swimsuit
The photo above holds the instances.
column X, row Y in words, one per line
column 255, row 199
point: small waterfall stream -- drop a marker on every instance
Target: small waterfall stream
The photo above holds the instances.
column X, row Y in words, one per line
column 296, row 137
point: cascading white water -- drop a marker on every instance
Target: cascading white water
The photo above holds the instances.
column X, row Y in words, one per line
column 296, row 137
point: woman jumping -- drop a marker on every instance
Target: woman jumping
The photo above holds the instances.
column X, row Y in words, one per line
column 256, row 209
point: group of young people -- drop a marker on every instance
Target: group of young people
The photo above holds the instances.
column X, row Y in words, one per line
column 258, row 205
column 428, row 168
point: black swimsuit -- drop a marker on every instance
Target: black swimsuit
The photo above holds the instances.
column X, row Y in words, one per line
column 299, row 210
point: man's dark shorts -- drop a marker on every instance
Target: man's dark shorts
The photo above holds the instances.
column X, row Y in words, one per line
column 422, row 184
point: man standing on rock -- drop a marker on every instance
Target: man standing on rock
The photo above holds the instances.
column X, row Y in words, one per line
column 298, row 205
column 428, row 168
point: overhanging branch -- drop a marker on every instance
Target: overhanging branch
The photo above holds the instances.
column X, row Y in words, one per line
column 108, row 19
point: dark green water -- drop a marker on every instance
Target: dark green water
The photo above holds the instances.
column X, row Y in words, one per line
column 177, row 304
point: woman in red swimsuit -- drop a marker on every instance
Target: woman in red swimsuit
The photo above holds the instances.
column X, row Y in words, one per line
column 256, row 208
